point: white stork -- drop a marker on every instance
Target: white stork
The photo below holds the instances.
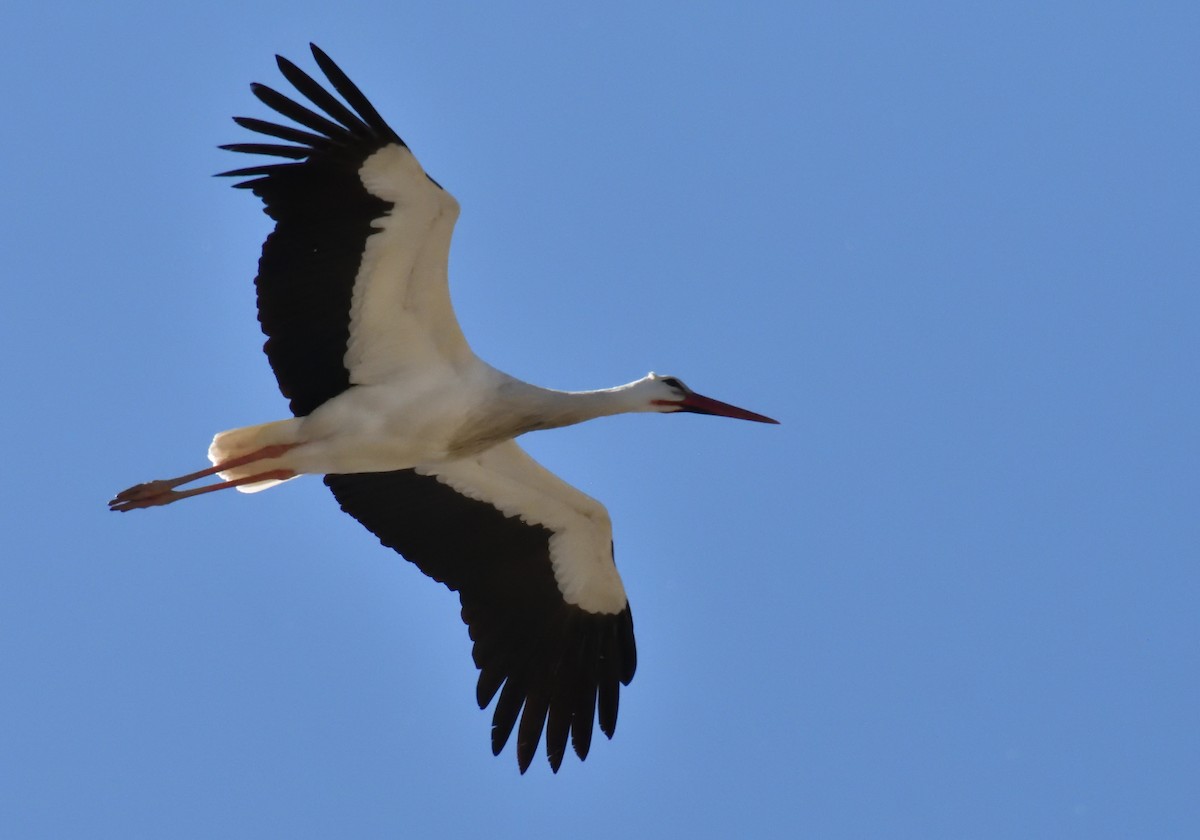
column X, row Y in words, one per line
column 413, row 432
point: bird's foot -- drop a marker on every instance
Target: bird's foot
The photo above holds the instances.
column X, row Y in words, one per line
column 149, row 494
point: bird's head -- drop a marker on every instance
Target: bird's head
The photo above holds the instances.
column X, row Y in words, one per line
column 668, row 394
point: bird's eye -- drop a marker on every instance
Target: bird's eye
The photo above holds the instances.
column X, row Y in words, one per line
column 673, row 382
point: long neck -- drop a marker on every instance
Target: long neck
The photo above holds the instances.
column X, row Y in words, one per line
column 515, row 407
column 532, row 407
column 565, row 408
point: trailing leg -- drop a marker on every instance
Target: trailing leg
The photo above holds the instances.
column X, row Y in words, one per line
column 162, row 491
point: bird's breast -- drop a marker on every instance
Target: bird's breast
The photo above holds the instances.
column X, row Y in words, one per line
column 481, row 430
column 376, row 428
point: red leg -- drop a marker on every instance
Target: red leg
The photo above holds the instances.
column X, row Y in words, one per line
column 168, row 495
column 163, row 491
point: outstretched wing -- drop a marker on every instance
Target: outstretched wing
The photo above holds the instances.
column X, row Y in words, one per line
column 531, row 559
column 352, row 285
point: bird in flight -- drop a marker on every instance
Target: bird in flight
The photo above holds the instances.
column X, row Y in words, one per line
column 413, row 433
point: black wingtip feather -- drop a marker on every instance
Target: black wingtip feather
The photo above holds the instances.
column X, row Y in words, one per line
column 322, row 98
column 608, row 695
column 504, row 718
column 491, row 677
column 585, row 694
column 628, row 647
column 270, row 149
column 529, row 732
column 353, row 96
column 287, row 132
column 558, row 719
column 608, row 698
column 265, row 169
column 293, row 110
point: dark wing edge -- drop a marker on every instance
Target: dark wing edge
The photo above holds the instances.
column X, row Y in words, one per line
column 323, row 216
column 341, row 132
column 555, row 666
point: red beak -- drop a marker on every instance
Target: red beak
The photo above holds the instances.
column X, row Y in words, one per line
column 698, row 404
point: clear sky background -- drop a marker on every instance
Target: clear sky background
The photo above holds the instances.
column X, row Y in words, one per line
column 953, row 247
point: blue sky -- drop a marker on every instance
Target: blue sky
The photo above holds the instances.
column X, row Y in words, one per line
column 952, row 247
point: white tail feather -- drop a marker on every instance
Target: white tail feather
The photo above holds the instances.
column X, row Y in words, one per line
column 235, row 443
